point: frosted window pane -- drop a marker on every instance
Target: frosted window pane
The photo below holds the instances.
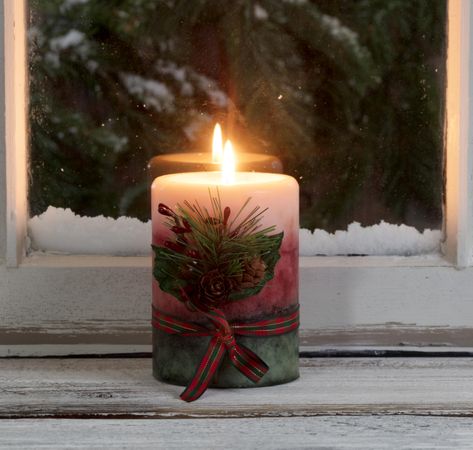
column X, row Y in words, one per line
column 347, row 93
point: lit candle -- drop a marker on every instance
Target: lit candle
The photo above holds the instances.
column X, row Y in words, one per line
column 206, row 161
column 226, row 258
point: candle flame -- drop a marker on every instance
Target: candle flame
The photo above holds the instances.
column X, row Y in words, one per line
column 217, row 145
column 228, row 164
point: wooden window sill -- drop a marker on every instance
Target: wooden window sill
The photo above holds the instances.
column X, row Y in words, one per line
column 390, row 398
column 107, row 387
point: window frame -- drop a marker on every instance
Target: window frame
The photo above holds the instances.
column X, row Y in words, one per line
column 100, row 304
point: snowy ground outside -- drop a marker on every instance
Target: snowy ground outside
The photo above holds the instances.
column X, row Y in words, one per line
column 61, row 231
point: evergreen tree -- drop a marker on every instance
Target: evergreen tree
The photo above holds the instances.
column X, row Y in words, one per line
column 347, row 93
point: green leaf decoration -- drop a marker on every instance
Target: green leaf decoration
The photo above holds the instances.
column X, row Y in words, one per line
column 164, row 271
column 215, row 255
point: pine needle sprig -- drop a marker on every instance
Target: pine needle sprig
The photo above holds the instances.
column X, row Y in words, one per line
column 237, row 255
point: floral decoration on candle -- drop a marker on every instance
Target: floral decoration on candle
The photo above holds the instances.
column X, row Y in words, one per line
column 216, row 256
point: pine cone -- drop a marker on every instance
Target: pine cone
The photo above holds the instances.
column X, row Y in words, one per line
column 252, row 274
column 214, row 288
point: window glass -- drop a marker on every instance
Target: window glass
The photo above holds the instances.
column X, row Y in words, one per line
column 347, row 93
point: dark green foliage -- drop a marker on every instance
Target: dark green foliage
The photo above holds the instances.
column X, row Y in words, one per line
column 91, row 134
column 394, row 146
column 348, row 93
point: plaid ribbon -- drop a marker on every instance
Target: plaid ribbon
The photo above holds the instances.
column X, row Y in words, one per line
column 223, row 341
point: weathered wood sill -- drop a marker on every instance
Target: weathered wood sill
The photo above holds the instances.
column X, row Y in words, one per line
column 394, row 399
column 93, row 387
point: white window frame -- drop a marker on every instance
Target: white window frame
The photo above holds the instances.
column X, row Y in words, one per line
column 90, row 304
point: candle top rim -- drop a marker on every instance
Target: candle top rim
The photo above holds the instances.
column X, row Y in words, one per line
column 198, row 157
column 214, row 178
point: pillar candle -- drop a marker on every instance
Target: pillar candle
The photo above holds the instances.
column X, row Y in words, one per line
column 255, row 217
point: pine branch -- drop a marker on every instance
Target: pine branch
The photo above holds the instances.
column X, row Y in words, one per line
column 204, row 245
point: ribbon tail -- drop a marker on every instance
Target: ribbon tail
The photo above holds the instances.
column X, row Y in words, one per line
column 248, row 362
column 206, row 370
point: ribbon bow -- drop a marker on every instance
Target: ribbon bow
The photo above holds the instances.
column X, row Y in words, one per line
column 223, row 342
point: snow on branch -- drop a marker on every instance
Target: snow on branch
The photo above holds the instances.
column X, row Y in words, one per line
column 149, row 91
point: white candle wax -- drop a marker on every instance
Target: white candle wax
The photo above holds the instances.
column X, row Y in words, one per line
column 276, row 192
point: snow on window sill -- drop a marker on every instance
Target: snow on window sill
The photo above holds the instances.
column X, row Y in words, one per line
column 61, row 231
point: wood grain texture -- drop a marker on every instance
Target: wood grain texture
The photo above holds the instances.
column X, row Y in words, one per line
column 363, row 433
column 126, row 388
